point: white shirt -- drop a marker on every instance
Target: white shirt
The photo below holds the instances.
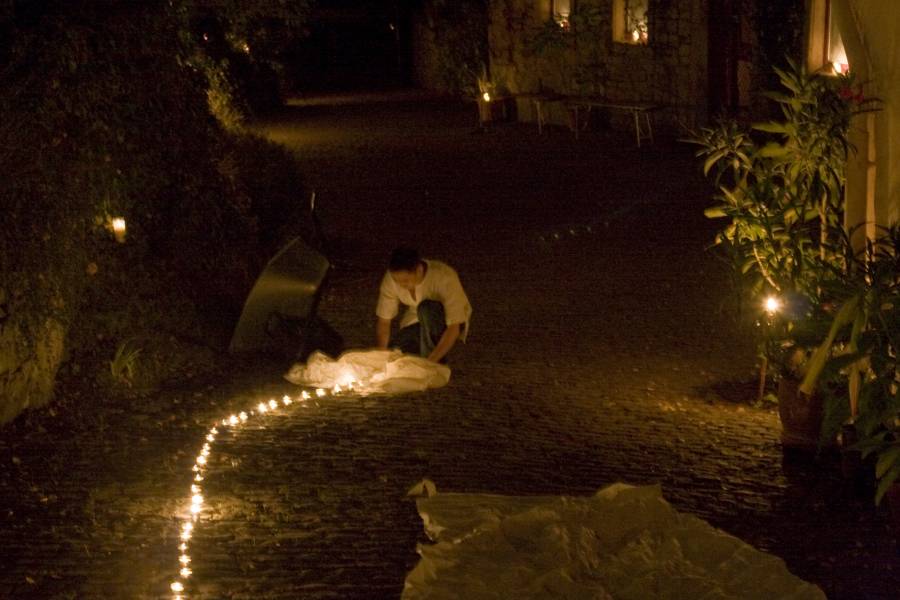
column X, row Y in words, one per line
column 440, row 283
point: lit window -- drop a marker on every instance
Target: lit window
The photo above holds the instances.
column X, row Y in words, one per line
column 560, row 11
column 630, row 21
column 825, row 48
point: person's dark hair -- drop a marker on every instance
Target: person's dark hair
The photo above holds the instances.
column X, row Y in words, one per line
column 404, row 259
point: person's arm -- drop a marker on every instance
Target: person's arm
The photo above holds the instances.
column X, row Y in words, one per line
column 448, row 338
column 382, row 333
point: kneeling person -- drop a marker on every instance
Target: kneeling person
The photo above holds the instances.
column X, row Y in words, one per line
column 438, row 310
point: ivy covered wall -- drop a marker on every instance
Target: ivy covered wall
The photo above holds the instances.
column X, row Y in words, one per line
column 530, row 52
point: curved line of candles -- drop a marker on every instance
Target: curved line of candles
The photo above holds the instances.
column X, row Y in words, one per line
column 235, row 420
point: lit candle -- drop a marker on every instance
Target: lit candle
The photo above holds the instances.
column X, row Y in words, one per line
column 772, row 305
column 118, row 227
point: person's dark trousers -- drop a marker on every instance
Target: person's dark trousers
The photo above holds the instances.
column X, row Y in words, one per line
column 421, row 338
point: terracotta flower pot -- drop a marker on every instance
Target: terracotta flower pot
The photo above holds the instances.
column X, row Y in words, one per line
column 801, row 416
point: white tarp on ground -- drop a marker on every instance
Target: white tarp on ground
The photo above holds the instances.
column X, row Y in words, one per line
column 370, row 371
column 623, row 543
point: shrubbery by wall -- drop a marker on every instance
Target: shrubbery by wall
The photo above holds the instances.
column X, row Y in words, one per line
column 105, row 114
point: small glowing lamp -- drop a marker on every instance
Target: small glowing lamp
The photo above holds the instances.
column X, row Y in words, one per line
column 177, row 586
column 772, row 305
column 272, row 404
column 486, row 97
column 118, row 227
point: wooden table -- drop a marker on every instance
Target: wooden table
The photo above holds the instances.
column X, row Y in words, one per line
column 640, row 111
column 538, row 100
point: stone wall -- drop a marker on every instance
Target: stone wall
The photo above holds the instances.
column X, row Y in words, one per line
column 528, row 56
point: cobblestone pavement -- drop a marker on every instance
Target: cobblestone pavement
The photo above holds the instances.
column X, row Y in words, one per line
column 599, row 352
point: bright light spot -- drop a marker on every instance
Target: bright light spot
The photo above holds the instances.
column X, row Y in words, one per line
column 304, row 395
column 177, row 586
column 337, row 388
column 272, row 404
column 320, row 392
column 233, row 419
column 195, row 489
column 118, row 227
column 262, row 407
column 198, row 477
column 210, row 438
column 184, row 559
column 185, row 572
column 486, row 97
column 183, row 547
column 286, row 400
column 772, row 305
column 201, row 460
column 243, row 416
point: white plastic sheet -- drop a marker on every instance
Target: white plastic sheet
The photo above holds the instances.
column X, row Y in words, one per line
column 370, row 371
column 623, row 543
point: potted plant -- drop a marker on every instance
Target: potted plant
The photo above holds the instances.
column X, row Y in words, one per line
column 781, row 193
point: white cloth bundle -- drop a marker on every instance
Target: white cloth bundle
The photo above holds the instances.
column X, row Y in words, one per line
column 370, row 371
column 625, row 542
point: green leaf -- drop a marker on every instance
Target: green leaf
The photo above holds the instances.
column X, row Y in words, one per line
column 773, row 150
column 770, row 127
column 886, row 482
column 886, row 461
column 845, row 315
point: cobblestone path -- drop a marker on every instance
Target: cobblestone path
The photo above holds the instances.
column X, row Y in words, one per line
column 599, row 352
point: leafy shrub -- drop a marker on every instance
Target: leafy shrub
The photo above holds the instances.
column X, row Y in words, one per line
column 106, row 114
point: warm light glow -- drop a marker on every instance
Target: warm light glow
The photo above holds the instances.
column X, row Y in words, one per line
column 177, row 586
column 772, row 305
column 304, row 395
column 320, row 392
column 243, row 416
column 184, row 559
column 118, row 227
column 486, row 97
column 286, row 400
column 272, row 404
column 185, row 572
column 233, row 419
column 262, row 407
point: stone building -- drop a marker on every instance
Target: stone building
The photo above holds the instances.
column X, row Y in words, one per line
column 648, row 51
column 863, row 36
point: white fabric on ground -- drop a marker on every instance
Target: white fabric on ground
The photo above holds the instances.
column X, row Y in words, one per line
column 624, row 543
column 370, row 371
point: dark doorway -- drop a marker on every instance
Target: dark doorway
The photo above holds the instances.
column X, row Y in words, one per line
column 354, row 45
column 723, row 56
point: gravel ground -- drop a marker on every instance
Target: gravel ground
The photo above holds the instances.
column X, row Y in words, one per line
column 600, row 351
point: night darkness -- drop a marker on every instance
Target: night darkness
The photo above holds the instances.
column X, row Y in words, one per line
column 364, row 299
